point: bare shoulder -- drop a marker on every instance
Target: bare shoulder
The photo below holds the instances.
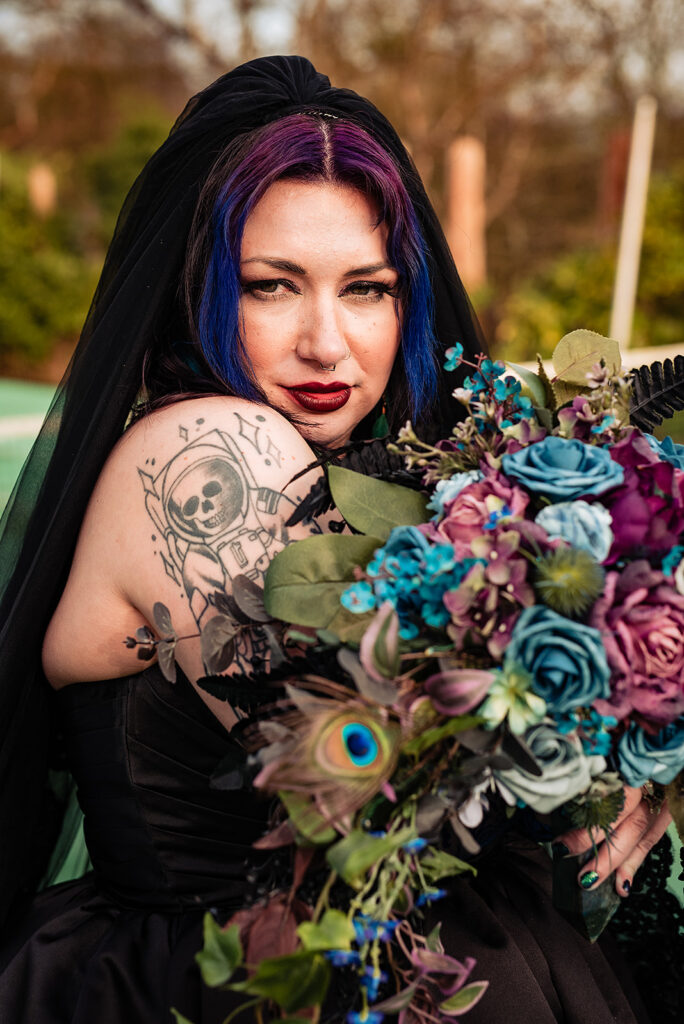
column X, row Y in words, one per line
column 192, row 496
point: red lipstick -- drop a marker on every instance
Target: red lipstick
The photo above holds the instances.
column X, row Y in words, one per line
column 316, row 397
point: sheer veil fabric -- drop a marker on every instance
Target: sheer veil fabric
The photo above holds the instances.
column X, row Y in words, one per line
column 134, row 312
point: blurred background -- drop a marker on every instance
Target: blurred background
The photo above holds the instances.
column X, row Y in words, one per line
column 518, row 114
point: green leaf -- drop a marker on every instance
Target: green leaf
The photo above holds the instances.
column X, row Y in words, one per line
column 531, row 380
column 550, row 401
column 429, row 737
column 347, row 626
column 358, row 851
column 222, row 952
column 179, row 1018
column 437, row 864
column 575, row 355
column 294, row 981
column 305, row 580
column 375, row 506
column 306, row 819
column 333, row 931
column 464, row 999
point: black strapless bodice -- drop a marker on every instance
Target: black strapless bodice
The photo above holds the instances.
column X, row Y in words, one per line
column 118, row 946
column 142, row 751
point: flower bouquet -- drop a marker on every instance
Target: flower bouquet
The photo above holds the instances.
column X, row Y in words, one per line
column 503, row 633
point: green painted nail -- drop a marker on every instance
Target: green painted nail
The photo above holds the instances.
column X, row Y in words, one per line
column 588, row 879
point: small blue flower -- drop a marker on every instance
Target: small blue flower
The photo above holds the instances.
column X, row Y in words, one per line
column 342, row 957
column 580, row 524
column 431, row 896
column 371, row 980
column 563, row 469
column 365, row 1017
column 453, row 356
column 359, row 598
column 667, row 450
column 414, row 845
column 367, row 929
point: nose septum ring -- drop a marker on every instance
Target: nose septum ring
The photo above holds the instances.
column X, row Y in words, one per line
column 333, row 366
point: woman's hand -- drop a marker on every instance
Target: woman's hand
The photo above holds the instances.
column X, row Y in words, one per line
column 635, row 832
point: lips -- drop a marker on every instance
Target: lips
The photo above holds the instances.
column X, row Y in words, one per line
column 316, row 397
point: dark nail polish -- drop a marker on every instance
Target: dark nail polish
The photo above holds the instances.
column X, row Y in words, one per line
column 588, row 879
column 627, row 887
column 560, row 849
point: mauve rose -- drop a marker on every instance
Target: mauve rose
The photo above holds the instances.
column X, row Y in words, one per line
column 470, row 511
column 641, row 619
column 648, row 509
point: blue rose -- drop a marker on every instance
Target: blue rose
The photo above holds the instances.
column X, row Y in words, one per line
column 667, row 450
column 562, row 469
column 447, row 490
column 658, row 756
column 566, row 659
column 580, row 524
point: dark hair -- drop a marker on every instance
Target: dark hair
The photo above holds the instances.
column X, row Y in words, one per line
column 310, row 147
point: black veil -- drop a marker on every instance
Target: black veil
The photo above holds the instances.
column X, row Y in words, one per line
column 130, row 312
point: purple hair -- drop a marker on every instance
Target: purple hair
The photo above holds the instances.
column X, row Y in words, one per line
column 310, row 147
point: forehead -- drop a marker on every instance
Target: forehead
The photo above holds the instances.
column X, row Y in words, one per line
column 295, row 219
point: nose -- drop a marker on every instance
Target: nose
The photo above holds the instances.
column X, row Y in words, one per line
column 321, row 335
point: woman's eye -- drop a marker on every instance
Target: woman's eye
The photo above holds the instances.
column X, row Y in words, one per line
column 370, row 291
column 272, row 288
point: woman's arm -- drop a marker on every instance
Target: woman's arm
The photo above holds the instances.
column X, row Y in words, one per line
column 193, row 496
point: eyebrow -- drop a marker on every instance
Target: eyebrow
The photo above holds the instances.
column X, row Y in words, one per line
column 293, row 268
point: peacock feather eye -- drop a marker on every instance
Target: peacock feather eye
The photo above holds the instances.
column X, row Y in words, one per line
column 360, row 744
column 349, row 745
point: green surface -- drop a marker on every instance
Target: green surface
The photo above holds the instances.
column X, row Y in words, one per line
column 22, row 403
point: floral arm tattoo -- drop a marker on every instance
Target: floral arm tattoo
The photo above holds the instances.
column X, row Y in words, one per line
column 213, row 522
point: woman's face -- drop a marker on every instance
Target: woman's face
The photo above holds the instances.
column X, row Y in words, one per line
column 318, row 292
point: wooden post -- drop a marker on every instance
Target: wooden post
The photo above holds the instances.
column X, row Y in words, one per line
column 633, row 214
column 466, row 216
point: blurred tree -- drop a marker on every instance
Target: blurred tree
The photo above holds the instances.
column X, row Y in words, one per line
column 576, row 290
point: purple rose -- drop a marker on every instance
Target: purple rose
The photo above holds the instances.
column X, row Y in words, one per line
column 648, row 509
column 641, row 619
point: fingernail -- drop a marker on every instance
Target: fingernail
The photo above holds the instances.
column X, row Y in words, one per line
column 560, row 849
column 588, row 879
column 626, row 886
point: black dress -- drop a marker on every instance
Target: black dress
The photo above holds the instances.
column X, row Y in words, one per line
column 117, row 947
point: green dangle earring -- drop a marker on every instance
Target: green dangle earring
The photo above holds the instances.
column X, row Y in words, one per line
column 381, row 426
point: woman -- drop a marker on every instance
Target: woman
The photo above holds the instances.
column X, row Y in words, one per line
column 270, row 283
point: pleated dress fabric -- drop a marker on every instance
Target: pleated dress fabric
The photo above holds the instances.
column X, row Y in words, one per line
column 117, row 947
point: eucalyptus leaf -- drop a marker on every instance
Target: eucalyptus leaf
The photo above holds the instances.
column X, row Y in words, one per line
column 217, row 642
column 437, row 864
column 347, row 626
column 375, row 506
column 577, row 352
column 306, row 819
column 295, row 981
column 429, row 737
column 162, row 620
column 166, row 651
column 352, row 856
column 179, row 1018
column 304, row 582
column 221, row 954
column 532, row 382
column 249, row 597
column 464, row 999
column 381, row 691
column 333, row 931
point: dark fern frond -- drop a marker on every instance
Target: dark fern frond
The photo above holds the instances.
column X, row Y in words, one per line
column 658, row 392
column 368, row 457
